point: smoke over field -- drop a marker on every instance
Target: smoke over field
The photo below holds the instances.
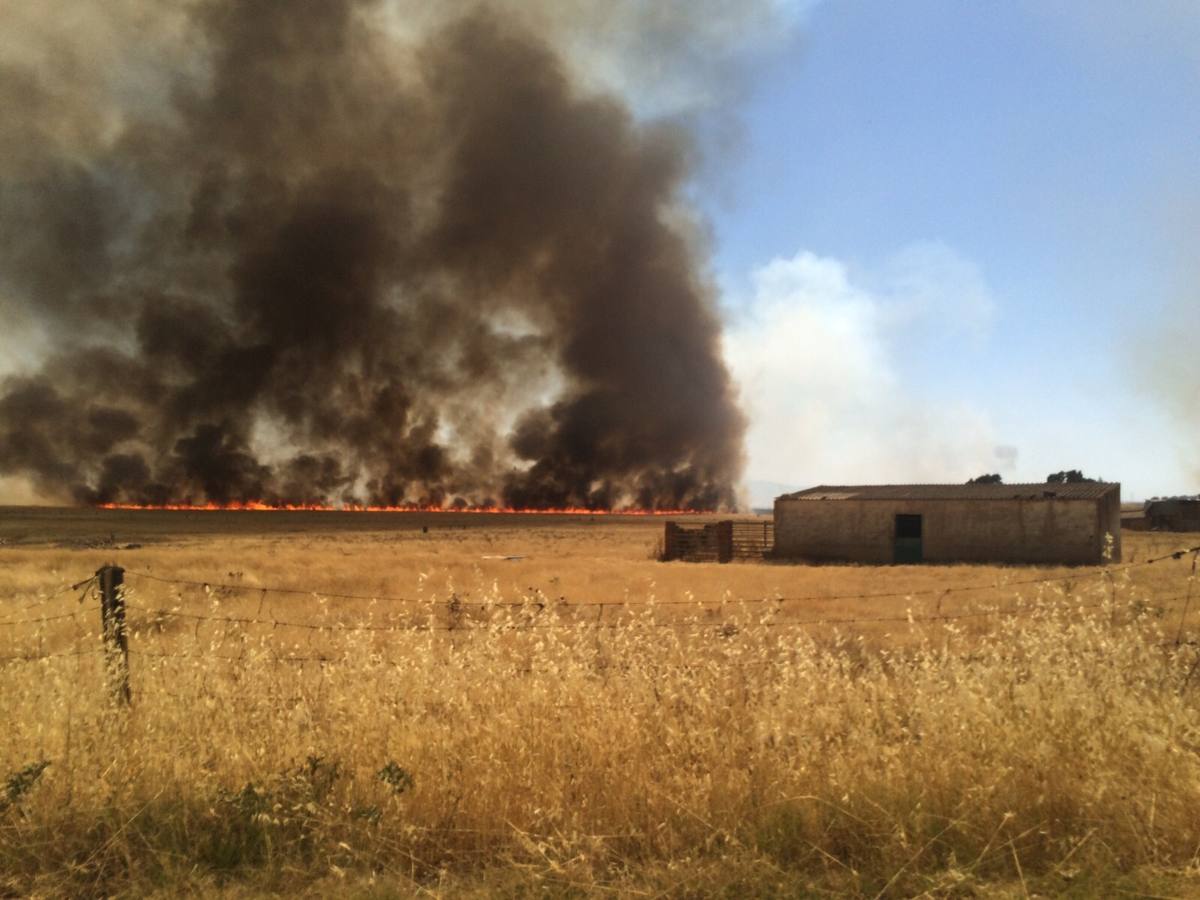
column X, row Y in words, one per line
column 327, row 252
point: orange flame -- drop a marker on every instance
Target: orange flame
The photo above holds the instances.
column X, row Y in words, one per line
column 258, row 506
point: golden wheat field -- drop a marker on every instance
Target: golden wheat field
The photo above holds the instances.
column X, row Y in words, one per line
column 442, row 705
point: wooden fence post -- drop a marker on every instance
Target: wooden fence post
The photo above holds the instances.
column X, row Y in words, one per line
column 112, row 630
column 1188, row 602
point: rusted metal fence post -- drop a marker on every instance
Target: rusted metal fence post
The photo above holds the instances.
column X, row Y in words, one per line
column 670, row 542
column 725, row 541
column 112, row 630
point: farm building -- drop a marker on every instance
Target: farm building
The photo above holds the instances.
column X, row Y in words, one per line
column 1173, row 514
column 910, row 523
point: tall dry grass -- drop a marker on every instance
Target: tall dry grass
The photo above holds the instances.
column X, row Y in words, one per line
column 524, row 745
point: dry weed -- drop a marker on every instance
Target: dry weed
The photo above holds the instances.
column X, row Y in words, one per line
column 481, row 739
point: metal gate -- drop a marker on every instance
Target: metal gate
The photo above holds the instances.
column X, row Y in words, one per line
column 718, row 541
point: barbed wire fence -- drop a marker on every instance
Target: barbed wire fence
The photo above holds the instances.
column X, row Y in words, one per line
column 107, row 585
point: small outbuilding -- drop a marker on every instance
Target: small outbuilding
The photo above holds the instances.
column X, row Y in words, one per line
column 1173, row 514
column 912, row 523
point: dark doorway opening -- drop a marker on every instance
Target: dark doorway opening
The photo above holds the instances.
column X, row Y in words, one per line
column 908, row 548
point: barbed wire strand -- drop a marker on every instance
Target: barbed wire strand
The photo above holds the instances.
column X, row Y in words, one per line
column 325, row 659
column 66, row 589
column 456, row 606
column 37, row 657
column 476, row 625
column 1107, row 571
column 40, row 619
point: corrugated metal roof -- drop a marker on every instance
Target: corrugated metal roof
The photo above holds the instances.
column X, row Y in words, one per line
column 1078, row 491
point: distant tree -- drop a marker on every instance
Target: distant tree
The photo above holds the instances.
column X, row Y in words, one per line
column 1072, row 476
column 987, row 479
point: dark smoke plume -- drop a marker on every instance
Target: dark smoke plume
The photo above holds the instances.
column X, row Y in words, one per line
column 320, row 262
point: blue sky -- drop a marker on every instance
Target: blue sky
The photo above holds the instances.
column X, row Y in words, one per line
column 989, row 202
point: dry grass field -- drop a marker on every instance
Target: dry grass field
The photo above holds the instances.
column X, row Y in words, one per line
column 451, row 705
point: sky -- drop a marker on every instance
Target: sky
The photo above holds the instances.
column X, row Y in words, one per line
column 953, row 238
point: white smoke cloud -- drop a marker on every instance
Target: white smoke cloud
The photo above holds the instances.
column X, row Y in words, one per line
column 816, row 355
column 664, row 58
column 928, row 281
column 671, row 56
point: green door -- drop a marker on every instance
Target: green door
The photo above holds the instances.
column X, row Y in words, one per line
column 908, row 540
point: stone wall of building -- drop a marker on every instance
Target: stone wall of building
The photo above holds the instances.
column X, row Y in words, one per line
column 1173, row 515
column 1015, row 531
